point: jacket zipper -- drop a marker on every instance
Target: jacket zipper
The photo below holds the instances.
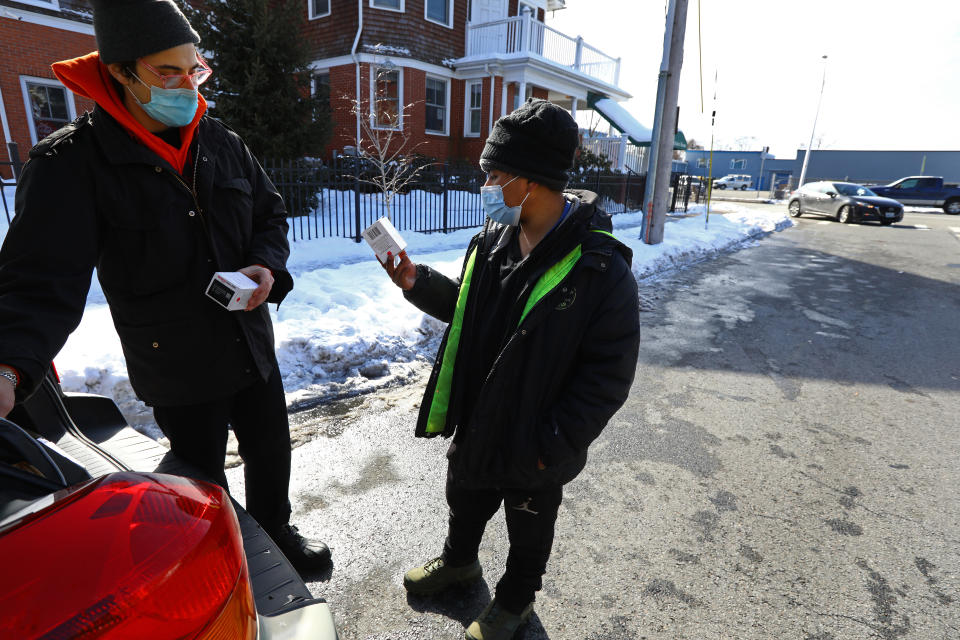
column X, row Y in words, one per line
column 520, row 331
column 196, row 202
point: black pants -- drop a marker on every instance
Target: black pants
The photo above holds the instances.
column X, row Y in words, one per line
column 258, row 415
column 531, row 516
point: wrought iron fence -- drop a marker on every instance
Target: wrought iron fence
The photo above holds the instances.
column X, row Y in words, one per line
column 334, row 200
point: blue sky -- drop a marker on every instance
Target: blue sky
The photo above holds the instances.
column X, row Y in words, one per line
column 892, row 72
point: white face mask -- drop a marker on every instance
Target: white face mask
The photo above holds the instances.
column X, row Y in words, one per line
column 496, row 209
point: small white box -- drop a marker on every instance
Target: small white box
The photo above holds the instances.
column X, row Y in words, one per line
column 383, row 237
column 231, row 289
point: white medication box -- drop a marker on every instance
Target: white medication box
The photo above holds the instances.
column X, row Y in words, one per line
column 231, row 289
column 383, row 237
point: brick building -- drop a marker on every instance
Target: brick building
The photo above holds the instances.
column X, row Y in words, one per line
column 457, row 64
column 33, row 103
column 447, row 68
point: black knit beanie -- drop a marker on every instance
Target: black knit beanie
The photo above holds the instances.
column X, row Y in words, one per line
column 127, row 30
column 537, row 141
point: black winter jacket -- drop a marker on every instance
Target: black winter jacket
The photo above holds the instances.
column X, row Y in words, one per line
column 561, row 374
column 90, row 196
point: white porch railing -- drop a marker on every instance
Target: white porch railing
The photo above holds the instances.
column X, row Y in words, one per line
column 619, row 151
column 524, row 35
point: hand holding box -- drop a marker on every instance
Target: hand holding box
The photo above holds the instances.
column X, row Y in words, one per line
column 231, row 289
column 384, row 238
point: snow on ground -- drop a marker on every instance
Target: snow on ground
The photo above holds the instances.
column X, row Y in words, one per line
column 346, row 329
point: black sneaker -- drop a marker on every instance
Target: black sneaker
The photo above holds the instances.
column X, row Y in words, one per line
column 304, row 554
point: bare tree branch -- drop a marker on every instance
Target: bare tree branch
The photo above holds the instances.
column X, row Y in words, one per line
column 385, row 143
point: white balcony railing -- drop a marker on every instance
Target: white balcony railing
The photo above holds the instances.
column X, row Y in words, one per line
column 525, row 36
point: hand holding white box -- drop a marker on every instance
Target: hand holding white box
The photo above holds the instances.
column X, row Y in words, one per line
column 231, row 289
column 384, row 238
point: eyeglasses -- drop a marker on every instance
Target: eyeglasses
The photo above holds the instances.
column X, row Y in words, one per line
column 175, row 81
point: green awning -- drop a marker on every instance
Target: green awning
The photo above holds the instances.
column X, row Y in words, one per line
column 624, row 122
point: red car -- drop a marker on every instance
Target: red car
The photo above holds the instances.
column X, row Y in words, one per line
column 104, row 534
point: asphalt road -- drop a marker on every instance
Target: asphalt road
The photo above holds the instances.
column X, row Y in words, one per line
column 786, row 466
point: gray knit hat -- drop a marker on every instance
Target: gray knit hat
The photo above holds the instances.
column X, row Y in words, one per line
column 130, row 29
column 537, row 141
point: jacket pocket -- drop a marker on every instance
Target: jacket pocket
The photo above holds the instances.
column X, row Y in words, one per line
column 165, row 360
column 233, row 208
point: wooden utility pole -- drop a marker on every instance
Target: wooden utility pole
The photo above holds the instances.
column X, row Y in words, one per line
column 656, row 196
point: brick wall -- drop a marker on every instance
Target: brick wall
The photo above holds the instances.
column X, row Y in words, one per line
column 35, row 48
column 453, row 146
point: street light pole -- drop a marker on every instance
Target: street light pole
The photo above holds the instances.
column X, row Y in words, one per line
column 806, row 156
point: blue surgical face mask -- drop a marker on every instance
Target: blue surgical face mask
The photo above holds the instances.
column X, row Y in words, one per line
column 496, row 209
column 172, row 107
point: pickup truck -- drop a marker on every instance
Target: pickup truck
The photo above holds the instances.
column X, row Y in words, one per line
column 922, row 191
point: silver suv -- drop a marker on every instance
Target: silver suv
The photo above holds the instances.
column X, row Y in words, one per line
column 733, row 181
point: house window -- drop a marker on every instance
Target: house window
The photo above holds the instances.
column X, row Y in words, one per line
column 474, row 108
column 393, row 5
column 701, row 163
column 386, row 108
column 320, row 87
column 439, row 11
column 436, row 105
column 738, row 164
column 49, row 105
column 318, row 8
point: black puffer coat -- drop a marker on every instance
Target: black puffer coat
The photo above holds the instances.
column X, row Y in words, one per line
column 561, row 374
column 92, row 197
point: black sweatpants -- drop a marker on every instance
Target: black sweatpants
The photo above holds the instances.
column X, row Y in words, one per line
column 258, row 416
column 531, row 517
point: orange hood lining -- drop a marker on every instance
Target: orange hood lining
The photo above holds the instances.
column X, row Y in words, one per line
column 89, row 77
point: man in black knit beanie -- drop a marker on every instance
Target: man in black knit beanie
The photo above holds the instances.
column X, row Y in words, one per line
column 539, row 354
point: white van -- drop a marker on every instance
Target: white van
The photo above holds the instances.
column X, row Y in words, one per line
column 733, row 181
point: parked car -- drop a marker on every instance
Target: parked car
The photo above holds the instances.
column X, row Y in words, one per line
column 844, row 202
column 733, row 181
column 922, row 191
column 104, row 534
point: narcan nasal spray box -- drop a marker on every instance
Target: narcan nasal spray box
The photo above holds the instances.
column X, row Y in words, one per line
column 382, row 237
column 231, row 289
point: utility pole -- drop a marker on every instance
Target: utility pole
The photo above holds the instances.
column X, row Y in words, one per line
column 806, row 156
column 657, row 190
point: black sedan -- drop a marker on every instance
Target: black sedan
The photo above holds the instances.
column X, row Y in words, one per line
column 844, row 202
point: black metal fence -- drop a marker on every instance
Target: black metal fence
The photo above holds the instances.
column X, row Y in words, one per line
column 336, row 199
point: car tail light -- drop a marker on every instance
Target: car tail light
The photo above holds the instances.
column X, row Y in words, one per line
column 128, row 555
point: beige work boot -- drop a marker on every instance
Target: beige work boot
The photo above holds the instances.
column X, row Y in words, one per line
column 496, row 623
column 437, row 575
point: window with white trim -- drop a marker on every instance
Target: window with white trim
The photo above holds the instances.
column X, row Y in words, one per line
column 392, row 5
column 436, row 105
column 318, row 8
column 439, row 11
column 385, row 107
column 701, row 163
column 49, row 106
column 738, row 164
column 474, row 102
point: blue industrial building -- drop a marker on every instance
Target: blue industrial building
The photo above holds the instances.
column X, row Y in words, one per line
column 751, row 163
column 864, row 167
column 877, row 167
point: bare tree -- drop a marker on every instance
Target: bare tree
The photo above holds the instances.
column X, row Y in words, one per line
column 385, row 143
